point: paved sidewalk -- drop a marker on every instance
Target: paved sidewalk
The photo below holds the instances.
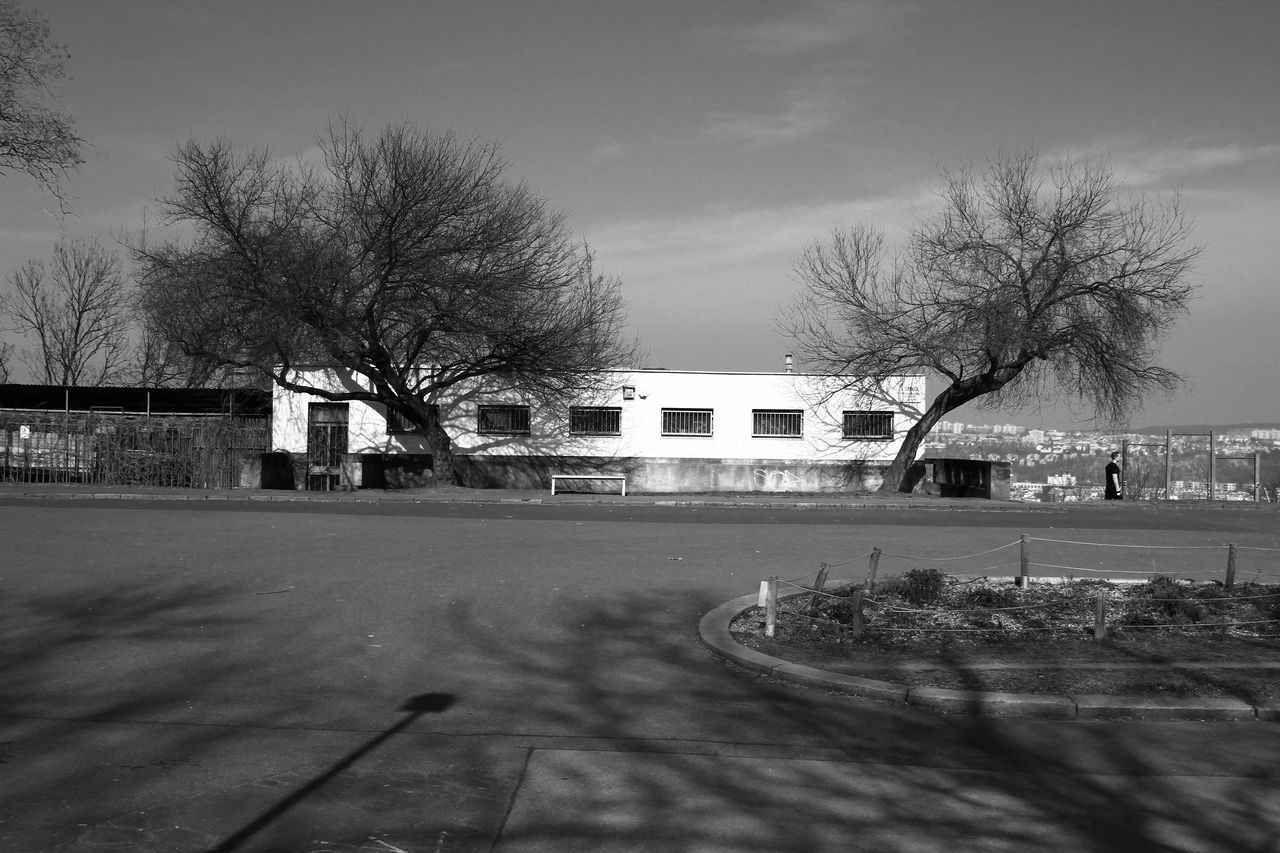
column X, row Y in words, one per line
column 459, row 494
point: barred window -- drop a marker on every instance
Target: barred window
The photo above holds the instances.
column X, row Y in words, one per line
column 398, row 423
column 595, row 420
column 686, row 421
column 503, row 420
column 777, row 422
column 868, row 424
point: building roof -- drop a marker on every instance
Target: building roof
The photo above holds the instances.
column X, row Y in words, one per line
column 241, row 401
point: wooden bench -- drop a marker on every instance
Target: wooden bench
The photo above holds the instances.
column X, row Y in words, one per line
column 619, row 477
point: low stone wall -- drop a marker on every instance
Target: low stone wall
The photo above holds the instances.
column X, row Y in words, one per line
column 655, row 476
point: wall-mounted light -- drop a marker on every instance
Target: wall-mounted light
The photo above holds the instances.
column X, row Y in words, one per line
column 628, row 392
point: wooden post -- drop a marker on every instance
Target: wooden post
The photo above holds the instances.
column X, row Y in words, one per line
column 818, row 584
column 1100, row 616
column 856, row 601
column 1231, row 566
column 873, row 568
column 1024, row 564
column 1213, row 464
column 771, row 608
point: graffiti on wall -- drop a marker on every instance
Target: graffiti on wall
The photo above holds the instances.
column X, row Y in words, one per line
column 777, row 479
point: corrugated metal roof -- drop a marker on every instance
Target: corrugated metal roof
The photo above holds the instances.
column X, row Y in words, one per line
column 246, row 401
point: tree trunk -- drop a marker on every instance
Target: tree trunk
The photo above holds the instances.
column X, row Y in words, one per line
column 442, row 459
column 898, row 477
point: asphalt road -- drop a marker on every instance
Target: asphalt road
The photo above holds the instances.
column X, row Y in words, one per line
column 1132, row 516
column 305, row 677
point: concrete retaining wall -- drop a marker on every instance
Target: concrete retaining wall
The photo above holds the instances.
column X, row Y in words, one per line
column 674, row 476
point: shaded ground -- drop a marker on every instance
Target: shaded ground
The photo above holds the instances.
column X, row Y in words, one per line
column 183, row 680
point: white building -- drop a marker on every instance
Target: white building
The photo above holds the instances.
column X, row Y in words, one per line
column 665, row 430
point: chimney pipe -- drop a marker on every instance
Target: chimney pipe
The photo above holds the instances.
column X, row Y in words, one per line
column 788, row 363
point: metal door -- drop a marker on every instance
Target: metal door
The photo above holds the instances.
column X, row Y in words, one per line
column 326, row 445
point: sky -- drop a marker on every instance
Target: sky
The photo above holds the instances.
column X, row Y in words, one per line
column 699, row 146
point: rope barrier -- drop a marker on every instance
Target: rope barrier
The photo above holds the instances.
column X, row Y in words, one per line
column 1198, row 625
column 1002, row 566
column 831, row 566
column 1129, row 607
column 1148, row 547
column 986, row 569
column 947, row 559
column 811, row 590
column 849, row 562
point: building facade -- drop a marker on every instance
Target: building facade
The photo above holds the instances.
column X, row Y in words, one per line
column 664, row 430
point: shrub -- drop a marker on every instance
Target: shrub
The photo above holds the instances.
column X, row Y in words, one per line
column 920, row 587
column 1174, row 600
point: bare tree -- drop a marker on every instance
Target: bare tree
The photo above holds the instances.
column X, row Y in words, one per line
column 35, row 136
column 6, row 352
column 406, row 258
column 156, row 362
column 77, row 311
column 1025, row 283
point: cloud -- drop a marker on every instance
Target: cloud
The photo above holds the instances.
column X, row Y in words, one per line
column 605, row 151
column 1141, row 164
column 798, row 119
column 815, row 26
column 719, row 242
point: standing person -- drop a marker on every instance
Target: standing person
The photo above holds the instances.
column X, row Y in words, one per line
column 1114, row 492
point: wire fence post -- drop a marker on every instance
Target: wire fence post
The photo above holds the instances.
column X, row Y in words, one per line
column 855, row 623
column 1100, row 616
column 1257, row 477
column 1024, row 563
column 872, row 568
column 771, row 607
column 1231, row 566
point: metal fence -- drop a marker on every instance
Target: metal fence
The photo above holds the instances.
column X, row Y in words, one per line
column 128, row 449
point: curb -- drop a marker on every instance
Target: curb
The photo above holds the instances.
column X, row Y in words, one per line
column 657, row 500
column 713, row 628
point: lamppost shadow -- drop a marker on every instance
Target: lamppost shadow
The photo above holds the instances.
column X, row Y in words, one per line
column 413, row 708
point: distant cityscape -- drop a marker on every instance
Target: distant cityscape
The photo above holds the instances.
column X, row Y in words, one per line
column 1065, row 465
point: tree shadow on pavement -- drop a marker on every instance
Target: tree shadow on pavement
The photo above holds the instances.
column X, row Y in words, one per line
column 605, row 726
column 197, row 715
column 654, row 744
